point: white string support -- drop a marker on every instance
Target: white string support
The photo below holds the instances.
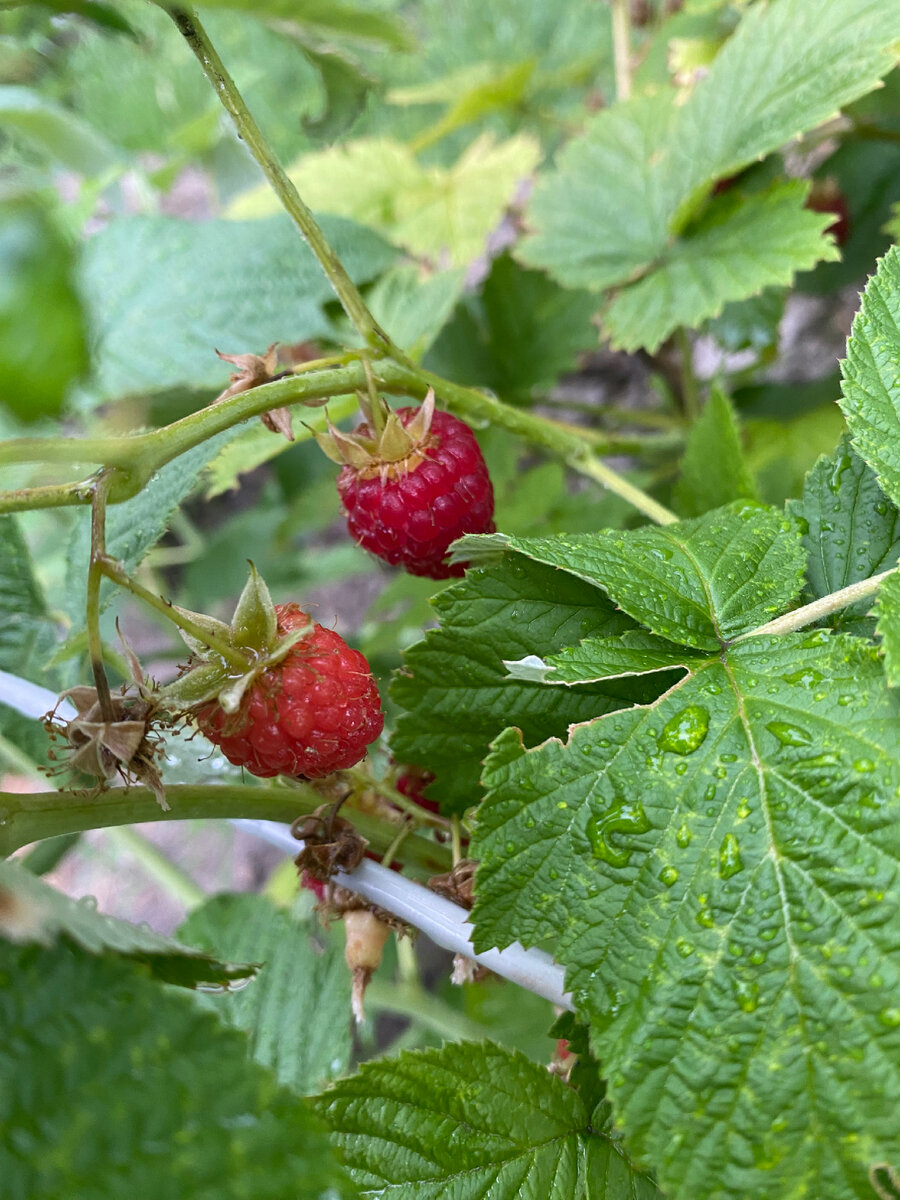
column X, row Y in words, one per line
column 447, row 924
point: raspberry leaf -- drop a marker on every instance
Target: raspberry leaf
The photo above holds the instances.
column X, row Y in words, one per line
column 115, row 1086
column 34, row 913
column 729, row 927
column 700, row 582
column 888, row 628
column 471, row 1120
column 455, row 686
column 297, row 1013
column 713, row 471
column 741, row 245
column 850, row 530
column 871, row 384
column 636, row 174
column 633, row 653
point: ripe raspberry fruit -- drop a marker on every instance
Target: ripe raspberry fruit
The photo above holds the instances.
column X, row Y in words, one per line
column 412, row 783
column 414, row 488
column 312, row 712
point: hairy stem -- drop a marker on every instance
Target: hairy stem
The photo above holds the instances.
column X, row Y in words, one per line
column 30, row 817
column 809, row 613
column 250, row 133
column 621, row 34
column 92, row 609
column 114, row 570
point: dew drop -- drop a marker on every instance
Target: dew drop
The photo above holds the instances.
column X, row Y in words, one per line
column 730, row 861
column 758, row 957
column 863, row 766
column 669, row 876
column 789, row 735
column 747, row 993
column 744, row 809
column 684, row 948
column 686, row 731
column 806, row 678
column 819, row 638
column 624, row 816
column 683, row 836
column 890, row 1017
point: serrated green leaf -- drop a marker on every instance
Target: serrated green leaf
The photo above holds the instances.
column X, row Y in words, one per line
column 115, row 1086
column 454, row 685
column 27, row 635
column 636, row 173
column 750, row 324
column 519, row 335
column 439, row 213
column 631, row 653
column 742, row 245
column 871, row 375
column 718, row 873
column 713, row 471
column 471, row 1120
column 136, row 525
column 888, row 628
column 699, row 583
column 164, row 295
column 32, row 912
column 297, row 1012
column 850, row 531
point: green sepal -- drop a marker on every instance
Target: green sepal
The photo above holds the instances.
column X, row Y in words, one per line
column 254, row 625
column 216, row 629
column 197, row 686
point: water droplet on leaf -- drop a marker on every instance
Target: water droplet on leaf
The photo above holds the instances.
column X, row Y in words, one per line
column 686, row 731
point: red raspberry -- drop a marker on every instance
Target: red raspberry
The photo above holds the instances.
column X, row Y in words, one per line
column 409, row 511
column 826, row 197
column 412, row 784
column 314, row 712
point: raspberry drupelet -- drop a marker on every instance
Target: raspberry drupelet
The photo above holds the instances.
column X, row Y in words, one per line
column 408, row 510
column 312, row 713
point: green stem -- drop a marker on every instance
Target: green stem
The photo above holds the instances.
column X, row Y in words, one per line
column 30, row 817
column 823, row 607
column 621, row 34
column 18, row 761
column 158, row 866
column 114, row 571
column 92, row 609
column 251, row 135
column 689, row 389
column 595, row 469
column 146, row 453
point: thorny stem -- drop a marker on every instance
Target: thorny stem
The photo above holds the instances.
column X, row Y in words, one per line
column 250, row 133
column 621, row 33
column 809, row 613
column 113, row 570
column 30, row 817
column 94, row 579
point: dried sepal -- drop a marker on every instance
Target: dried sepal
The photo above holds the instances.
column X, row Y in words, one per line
column 397, row 450
column 253, row 370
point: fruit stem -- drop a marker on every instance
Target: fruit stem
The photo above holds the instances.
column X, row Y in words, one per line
column 377, row 413
column 249, row 132
column 362, row 781
column 588, row 464
column 823, row 607
column 402, row 834
column 621, row 35
column 117, row 573
column 456, row 834
column 92, row 607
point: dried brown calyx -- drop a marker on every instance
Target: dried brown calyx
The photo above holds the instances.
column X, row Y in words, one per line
column 457, row 886
column 122, row 741
column 253, row 370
